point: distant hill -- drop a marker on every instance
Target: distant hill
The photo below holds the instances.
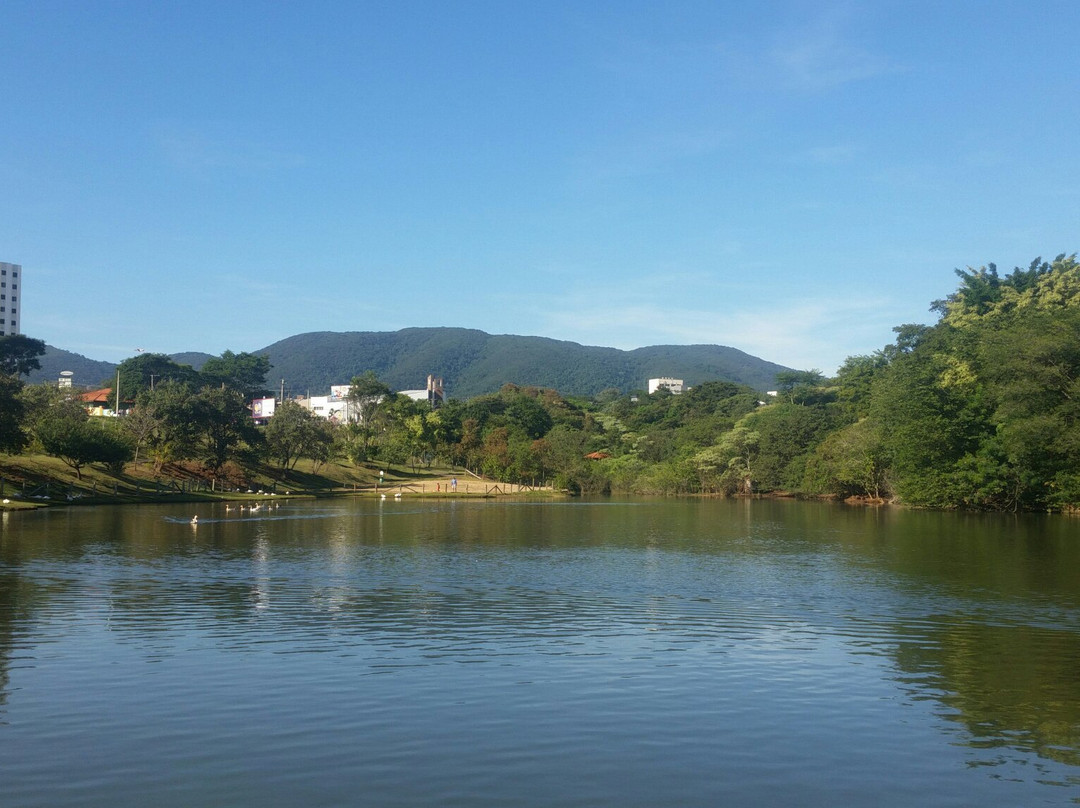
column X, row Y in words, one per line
column 91, row 372
column 473, row 362
column 88, row 372
column 193, row 358
column 470, row 362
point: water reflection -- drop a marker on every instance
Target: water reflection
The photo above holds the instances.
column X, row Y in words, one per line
column 1010, row 686
column 976, row 615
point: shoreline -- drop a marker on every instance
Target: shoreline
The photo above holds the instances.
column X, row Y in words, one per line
column 35, row 482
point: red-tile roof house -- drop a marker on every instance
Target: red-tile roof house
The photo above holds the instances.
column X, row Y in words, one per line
column 101, row 402
column 102, row 396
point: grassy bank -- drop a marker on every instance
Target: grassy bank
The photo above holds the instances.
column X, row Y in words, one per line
column 33, row 481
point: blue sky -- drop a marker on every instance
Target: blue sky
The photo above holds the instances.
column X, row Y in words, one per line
column 789, row 178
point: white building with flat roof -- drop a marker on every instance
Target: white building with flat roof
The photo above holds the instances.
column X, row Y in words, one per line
column 332, row 407
column 674, row 385
column 10, row 281
column 435, row 394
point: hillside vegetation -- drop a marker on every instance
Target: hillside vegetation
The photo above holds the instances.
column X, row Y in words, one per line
column 87, row 372
column 474, row 363
column 470, row 362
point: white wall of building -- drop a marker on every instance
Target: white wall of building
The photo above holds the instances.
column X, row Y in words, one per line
column 11, row 276
column 332, row 407
column 263, row 408
column 337, row 406
column 674, row 385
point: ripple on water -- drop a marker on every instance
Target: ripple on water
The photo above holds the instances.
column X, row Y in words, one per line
column 310, row 660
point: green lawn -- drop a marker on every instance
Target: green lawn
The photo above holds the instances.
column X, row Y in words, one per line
column 35, row 480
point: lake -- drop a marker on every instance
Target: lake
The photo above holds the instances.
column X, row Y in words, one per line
column 498, row 653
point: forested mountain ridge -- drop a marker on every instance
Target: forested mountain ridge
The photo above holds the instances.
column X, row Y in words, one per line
column 469, row 361
column 472, row 362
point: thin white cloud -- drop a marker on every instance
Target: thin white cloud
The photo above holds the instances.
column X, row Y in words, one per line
column 807, row 333
column 825, row 54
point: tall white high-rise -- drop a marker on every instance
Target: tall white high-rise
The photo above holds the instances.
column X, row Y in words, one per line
column 10, row 281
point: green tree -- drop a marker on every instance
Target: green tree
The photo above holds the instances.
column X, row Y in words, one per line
column 12, row 414
column 67, row 433
column 933, row 411
column 737, row 452
column 977, row 411
column 980, row 289
column 496, row 458
column 140, row 425
column 711, row 465
column 243, row 372
column 147, row 370
column 530, row 415
column 466, row 451
column 1033, row 367
column 114, row 446
column 483, row 410
column 797, row 384
column 290, row 434
column 566, row 449
column 542, row 458
column 426, row 430
column 170, row 411
column 352, row 442
column 46, row 401
column 854, row 382
column 19, row 354
column 323, row 443
column 41, row 400
column 367, row 394
column 787, row 433
column 224, row 426
column 983, row 295
column 849, row 462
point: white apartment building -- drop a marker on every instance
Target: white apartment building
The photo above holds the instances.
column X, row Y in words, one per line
column 674, row 385
column 10, row 281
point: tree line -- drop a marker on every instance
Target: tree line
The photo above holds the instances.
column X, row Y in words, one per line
column 979, row 410
column 172, row 411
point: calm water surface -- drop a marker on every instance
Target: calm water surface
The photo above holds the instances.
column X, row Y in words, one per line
column 561, row 654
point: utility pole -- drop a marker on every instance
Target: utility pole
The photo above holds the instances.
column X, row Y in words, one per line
column 282, row 391
column 118, row 392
